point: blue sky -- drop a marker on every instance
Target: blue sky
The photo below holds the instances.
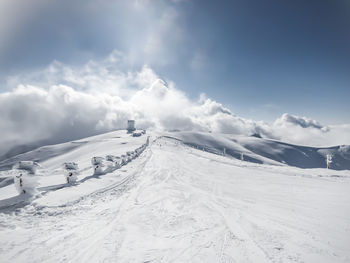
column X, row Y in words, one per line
column 258, row 58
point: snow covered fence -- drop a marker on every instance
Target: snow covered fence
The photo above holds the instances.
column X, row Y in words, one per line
column 115, row 160
column 26, row 183
column 224, row 152
column 129, row 156
column 111, row 158
column 138, row 151
column 111, row 162
column 205, row 148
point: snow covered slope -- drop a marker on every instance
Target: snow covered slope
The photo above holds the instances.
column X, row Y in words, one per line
column 261, row 150
column 175, row 203
column 52, row 157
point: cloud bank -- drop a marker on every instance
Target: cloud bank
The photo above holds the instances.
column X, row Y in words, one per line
column 62, row 103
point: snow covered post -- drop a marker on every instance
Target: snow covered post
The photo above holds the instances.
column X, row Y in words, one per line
column 137, row 152
column 329, row 160
column 110, row 158
column 115, row 160
column 18, row 181
column 97, row 163
column 242, row 156
column 129, row 156
column 224, row 151
column 118, row 162
column 71, row 172
column 124, row 159
column 25, row 181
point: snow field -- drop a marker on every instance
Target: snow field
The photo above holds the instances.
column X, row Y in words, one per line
column 180, row 204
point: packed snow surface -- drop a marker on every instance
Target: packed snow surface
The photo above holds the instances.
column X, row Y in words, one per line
column 175, row 202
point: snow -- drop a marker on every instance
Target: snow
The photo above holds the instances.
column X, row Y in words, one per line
column 25, row 183
column 176, row 203
column 266, row 151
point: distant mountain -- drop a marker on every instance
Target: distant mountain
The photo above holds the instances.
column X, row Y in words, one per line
column 254, row 149
column 259, row 150
column 19, row 149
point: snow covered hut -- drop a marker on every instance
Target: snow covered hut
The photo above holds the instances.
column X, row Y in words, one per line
column 131, row 126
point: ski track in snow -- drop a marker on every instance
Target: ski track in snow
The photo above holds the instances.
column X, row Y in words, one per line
column 178, row 204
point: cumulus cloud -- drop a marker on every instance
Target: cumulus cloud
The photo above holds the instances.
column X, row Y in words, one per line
column 107, row 75
column 62, row 103
column 290, row 120
column 305, row 131
column 30, row 114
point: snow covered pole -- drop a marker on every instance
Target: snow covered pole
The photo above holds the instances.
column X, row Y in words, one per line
column 329, row 160
column 71, row 172
column 118, row 162
column 97, row 163
column 19, row 184
column 115, row 160
column 25, row 181
column 224, row 151
column 124, row 159
column 129, row 156
column 242, row 156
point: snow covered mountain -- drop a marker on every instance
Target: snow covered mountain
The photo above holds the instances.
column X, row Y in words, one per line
column 254, row 149
column 259, row 150
column 179, row 200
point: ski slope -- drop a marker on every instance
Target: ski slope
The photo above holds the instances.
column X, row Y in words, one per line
column 175, row 203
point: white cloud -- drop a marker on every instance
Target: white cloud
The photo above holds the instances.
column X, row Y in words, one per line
column 287, row 120
column 103, row 76
column 62, row 103
column 305, row 131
